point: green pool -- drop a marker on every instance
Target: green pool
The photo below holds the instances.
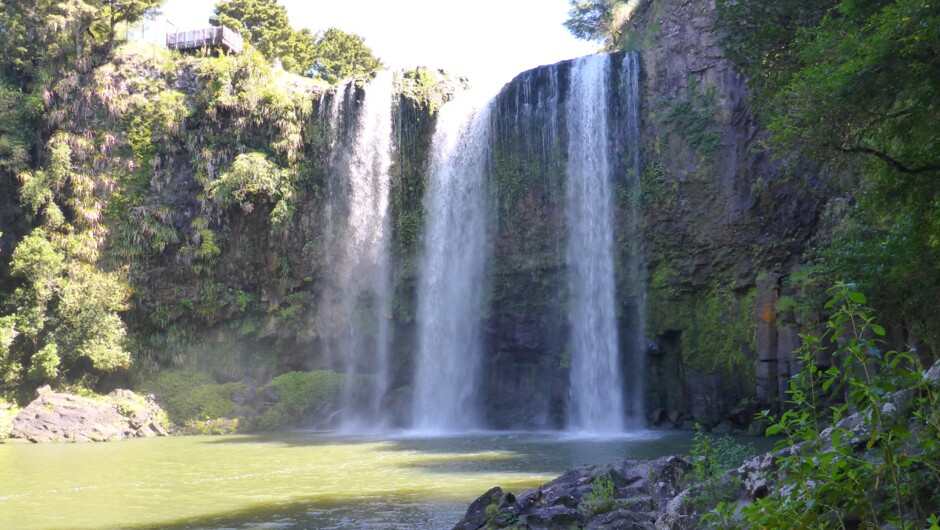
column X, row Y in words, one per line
column 291, row 481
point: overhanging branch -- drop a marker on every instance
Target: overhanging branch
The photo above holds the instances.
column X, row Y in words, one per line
column 892, row 162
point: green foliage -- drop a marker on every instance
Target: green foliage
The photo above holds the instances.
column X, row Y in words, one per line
column 191, row 398
column 601, row 497
column 853, row 85
column 492, row 510
column 44, row 365
column 711, row 458
column 426, row 86
column 597, row 20
column 847, row 77
column 340, row 55
column 215, row 426
column 10, row 367
column 692, row 117
column 66, row 312
column 14, row 130
column 884, row 474
column 265, row 25
column 41, row 36
column 129, row 404
column 299, row 392
column 8, row 412
column 251, row 176
column 717, row 325
column 653, row 183
column 331, row 56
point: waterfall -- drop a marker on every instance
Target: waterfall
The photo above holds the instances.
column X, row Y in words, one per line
column 596, row 401
column 359, row 306
column 634, row 263
column 452, row 270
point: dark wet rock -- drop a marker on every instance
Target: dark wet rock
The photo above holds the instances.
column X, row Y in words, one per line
column 476, row 516
column 722, row 428
column 62, row 417
column 658, row 417
column 641, row 492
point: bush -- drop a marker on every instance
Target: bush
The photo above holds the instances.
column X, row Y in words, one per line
column 299, row 391
column 45, row 364
column 883, row 473
column 601, row 497
column 189, row 397
column 711, row 458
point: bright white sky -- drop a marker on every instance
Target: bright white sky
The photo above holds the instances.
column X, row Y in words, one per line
column 488, row 41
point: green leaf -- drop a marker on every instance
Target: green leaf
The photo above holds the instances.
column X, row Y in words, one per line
column 878, row 330
column 857, row 297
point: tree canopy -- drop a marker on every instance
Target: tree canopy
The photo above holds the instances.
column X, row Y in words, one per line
column 855, row 85
column 332, row 55
column 597, row 20
column 38, row 34
column 340, row 55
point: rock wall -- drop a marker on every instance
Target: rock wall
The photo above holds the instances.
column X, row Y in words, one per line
column 724, row 222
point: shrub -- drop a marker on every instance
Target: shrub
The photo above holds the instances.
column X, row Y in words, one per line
column 711, row 458
column 193, row 396
column 299, row 391
column 601, row 497
column 884, row 473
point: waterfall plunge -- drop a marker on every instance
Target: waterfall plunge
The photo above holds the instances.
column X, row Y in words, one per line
column 359, row 264
column 452, row 269
column 602, row 131
column 596, row 394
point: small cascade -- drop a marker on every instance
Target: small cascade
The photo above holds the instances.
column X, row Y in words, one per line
column 452, row 269
column 596, row 403
column 360, row 301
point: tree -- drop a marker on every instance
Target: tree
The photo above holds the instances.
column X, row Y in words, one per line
column 331, row 56
column 40, row 36
column 855, row 86
column 113, row 13
column 339, row 55
column 263, row 23
column 598, row 20
column 590, row 19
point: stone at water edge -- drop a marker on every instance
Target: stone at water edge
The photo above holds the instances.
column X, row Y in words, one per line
column 62, row 417
column 644, row 491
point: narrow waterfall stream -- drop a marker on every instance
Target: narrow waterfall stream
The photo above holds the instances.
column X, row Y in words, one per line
column 359, row 267
column 596, row 395
column 634, row 263
column 450, row 289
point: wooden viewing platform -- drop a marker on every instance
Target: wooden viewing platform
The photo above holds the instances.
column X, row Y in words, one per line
column 221, row 37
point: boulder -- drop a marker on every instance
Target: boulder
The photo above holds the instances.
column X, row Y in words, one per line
column 63, row 417
column 642, row 490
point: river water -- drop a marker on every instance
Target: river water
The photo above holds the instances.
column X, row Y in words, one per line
column 289, row 481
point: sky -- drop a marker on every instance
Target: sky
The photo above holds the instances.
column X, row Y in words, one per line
column 488, row 41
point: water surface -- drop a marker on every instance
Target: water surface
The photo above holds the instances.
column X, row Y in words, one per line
column 288, row 481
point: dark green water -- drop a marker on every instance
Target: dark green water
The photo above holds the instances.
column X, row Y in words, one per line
column 288, row 481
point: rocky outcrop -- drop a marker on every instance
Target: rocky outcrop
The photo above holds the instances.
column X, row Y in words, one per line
column 666, row 493
column 62, row 417
column 627, row 494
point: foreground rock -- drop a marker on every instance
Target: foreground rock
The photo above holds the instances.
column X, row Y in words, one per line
column 61, row 417
column 627, row 494
column 663, row 494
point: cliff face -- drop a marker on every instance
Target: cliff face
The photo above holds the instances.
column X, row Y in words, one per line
column 724, row 221
column 220, row 194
